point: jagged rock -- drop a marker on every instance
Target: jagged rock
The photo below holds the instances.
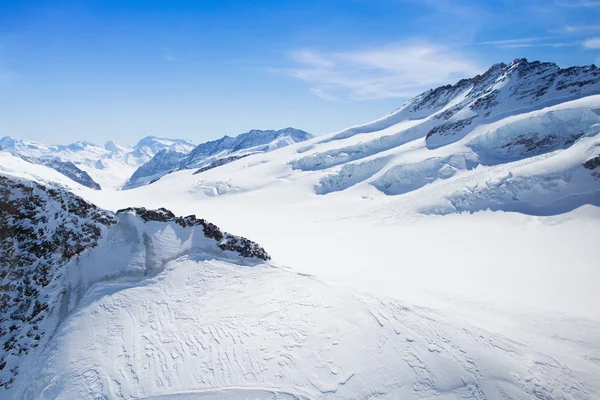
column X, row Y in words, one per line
column 41, row 229
column 227, row 241
column 68, row 169
column 219, row 162
column 592, row 163
column 163, row 162
column 520, row 84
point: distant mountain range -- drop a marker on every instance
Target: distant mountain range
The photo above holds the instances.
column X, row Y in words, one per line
column 109, row 294
column 106, row 166
column 114, row 166
column 215, row 153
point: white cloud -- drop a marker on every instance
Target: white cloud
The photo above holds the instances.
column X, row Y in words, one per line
column 578, row 3
column 577, row 29
column 396, row 71
column 524, row 45
column 514, row 41
column 593, row 43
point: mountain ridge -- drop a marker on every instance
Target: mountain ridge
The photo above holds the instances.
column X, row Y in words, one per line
column 214, row 153
column 108, row 166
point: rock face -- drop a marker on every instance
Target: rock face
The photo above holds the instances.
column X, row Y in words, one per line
column 163, row 161
column 41, row 229
column 66, row 168
column 503, row 88
column 45, row 236
column 534, row 119
column 226, row 241
column 215, row 153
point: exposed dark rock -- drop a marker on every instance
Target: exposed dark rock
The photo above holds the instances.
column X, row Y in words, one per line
column 68, row 169
column 533, row 143
column 531, row 84
column 41, row 229
column 219, row 162
column 592, row 163
column 214, row 154
column 227, row 241
column 448, row 128
column 162, row 163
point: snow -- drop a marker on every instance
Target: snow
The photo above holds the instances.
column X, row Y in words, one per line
column 205, row 326
column 215, row 153
column 463, row 266
column 109, row 165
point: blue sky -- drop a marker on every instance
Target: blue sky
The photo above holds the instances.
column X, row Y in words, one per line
column 119, row 70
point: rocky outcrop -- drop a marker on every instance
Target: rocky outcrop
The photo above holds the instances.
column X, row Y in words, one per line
column 68, row 169
column 219, row 162
column 41, row 229
column 504, row 88
column 226, row 241
column 162, row 163
column 44, row 234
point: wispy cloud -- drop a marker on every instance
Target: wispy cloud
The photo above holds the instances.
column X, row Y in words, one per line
column 395, row 71
column 525, row 45
column 577, row 3
column 542, row 41
column 593, row 43
column 577, row 29
column 514, row 41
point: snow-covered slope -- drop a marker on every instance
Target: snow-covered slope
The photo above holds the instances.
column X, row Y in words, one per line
column 143, row 304
column 109, row 165
column 498, row 302
column 380, row 190
column 47, row 262
column 215, row 153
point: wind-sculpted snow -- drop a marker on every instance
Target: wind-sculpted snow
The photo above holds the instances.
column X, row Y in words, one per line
column 213, row 329
column 407, row 177
column 545, row 185
column 212, row 188
column 350, row 175
column 342, row 155
column 534, row 135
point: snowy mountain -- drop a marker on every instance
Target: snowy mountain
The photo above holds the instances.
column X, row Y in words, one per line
column 215, row 153
column 447, row 250
column 522, row 113
column 68, row 169
column 109, row 165
column 143, row 304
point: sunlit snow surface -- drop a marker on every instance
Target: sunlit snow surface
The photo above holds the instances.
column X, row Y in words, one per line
column 392, row 277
